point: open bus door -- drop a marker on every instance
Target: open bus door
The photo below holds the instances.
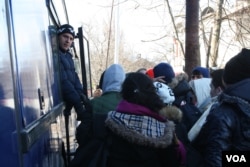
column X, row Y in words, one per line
column 82, row 49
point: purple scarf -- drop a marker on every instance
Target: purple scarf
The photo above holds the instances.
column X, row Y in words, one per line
column 135, row 109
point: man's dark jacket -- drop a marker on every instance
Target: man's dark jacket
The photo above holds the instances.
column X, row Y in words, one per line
column 227, row 126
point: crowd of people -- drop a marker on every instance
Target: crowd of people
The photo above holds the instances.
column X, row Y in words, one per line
column 155, row 117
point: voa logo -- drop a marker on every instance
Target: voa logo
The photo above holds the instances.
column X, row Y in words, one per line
column 236, row 158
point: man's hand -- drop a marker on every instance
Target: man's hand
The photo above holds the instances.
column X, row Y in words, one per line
column 67, row 110
column 84, row 98
column 159, row 79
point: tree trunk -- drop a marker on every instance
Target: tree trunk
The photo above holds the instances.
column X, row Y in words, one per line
column 216, row 34
column 192, row 47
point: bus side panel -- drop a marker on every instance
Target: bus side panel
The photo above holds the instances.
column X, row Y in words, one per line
column 35, row 91
column 30, row 32
column 7, row 109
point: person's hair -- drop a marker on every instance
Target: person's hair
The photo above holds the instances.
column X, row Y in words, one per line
column 141, row 69
column 139, row 89
column 216, row 76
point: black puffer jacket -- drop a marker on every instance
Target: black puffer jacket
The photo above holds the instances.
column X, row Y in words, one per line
column 227, row 126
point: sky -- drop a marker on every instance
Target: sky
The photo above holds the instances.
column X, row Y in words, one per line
column 139, row 23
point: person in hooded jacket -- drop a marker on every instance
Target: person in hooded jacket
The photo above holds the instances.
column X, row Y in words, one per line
column 140, row 136
column 110, row 83
column 91, row 134
column 216, row 89
column 227, row 126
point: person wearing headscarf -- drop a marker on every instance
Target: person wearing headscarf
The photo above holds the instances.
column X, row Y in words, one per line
column 217, row 88
column 201, row 88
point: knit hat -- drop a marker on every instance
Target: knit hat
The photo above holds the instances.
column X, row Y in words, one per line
column 150, row 73
column 165, row 92
column 201, row 70
column 164, row 69
column 66, row 28
column 238, row 67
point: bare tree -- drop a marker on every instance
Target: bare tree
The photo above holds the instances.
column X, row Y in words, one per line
column 98, row 53
column 230, row 30
column 216, row 34
column 242, row 21
column 175, row 27
column 192, row 47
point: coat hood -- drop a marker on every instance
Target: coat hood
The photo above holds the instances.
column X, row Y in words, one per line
column 238, row 94
column 113, row 78
column 141, row 130
column 182, row 90
column 201, row 88
column 172, row 113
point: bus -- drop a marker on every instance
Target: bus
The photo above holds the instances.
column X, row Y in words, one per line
column 34, row 131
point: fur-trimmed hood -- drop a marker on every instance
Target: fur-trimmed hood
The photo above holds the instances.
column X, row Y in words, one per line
column 140, row 129
column 177, row 79
column 172, row 113
column 182, row 90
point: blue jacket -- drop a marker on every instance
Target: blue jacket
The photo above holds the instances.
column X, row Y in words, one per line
column 71, row 86
column 227, row 126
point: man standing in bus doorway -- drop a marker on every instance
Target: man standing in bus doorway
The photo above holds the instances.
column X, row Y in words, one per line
column 71, row 87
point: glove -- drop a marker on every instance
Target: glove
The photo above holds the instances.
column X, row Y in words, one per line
column 79, row 108
column 67, row 110
column 83, row 98
column 86, row 103
column 83, row 112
